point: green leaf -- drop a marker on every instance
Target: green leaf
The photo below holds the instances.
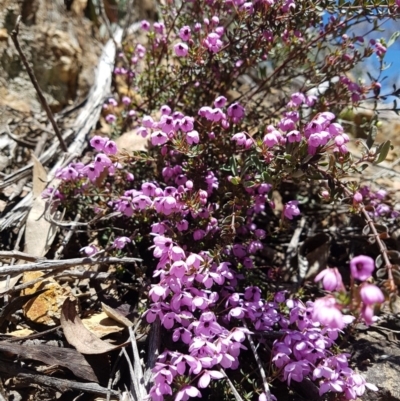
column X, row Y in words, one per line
column 393, row 38
column 249, row 184
column 235, row 180
column 234, row 168
column 384, row 150
column 256, row 161
column 266, row 177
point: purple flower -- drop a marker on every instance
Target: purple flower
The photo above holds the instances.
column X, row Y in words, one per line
column 98, row 142
column 236, row 112
column 184, row 33
column 291, row 210
column 213, row 42
column 357, row 197
column 271, row 139
column 370, row 294
column 181, row 49
column 205, row 378
column 110, row 148
column 89, row 250
column 120, row 242
column 145, row 25
column 331, row 279
column 186, row 392
column 220, row 101
column 293, row 136
column 326, row 313
column 296, row 371
column 192, row 137
column 110, row 118
column 159, row 138
column 361, row 267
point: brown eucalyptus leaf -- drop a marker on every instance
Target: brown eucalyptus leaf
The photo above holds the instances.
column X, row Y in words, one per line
column 102, row 325
column 78, row 335
column 117, row 316
column 50, row 355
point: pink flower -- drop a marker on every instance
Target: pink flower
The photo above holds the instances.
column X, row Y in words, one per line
column 110, row 148
column 291, row 210
column 357, row 197
column 186, row 392
column 236, row 112
column 184, row 33
column 297, row 98
column 98, row 142
column 192, row 137
column 110, row 118
column 331, row 279
column 361, row 267
column 240, row 139
column 205, row 378
column 159, row 138
column 325, row 311
column 370, row 294
column 181, row 49
column 293, row 136
column 89, row 250
column 92, row 171
column 367, row 313
column 220, row 101
column 145, row 25
column 120, row 242
column 270, row 139
column 213, row 42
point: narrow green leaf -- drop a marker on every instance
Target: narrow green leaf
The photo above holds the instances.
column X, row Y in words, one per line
column 393, row 38
column 234, row 168
column 383, row 152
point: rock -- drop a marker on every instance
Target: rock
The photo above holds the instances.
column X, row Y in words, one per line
column 46, row 307
column 57, row 44
column 378, row 357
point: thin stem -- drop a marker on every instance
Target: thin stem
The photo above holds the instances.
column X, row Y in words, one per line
column 14, row 37
column 260, row 366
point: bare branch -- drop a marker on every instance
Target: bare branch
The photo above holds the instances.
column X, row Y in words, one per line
column 14, row 37
column 66, row 263
column 260, row 366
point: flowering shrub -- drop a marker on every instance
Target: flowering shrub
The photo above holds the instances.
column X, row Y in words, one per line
column 212, row 87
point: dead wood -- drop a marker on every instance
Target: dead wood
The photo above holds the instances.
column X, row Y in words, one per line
column 66, row 263
column 63, row 385
column 50, row 355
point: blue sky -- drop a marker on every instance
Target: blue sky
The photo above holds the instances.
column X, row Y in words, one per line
column 392, row 55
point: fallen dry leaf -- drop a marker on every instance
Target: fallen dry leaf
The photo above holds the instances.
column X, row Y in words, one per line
column 39, row 233
column 117, row 316
column 130, row 141
column 78, row 335
column 50, row 355
column 4, row 286
column 101, row 325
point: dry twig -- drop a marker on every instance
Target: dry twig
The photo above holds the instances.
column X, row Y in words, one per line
column 14, row 37
column 260, row 366
column 66, row 263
